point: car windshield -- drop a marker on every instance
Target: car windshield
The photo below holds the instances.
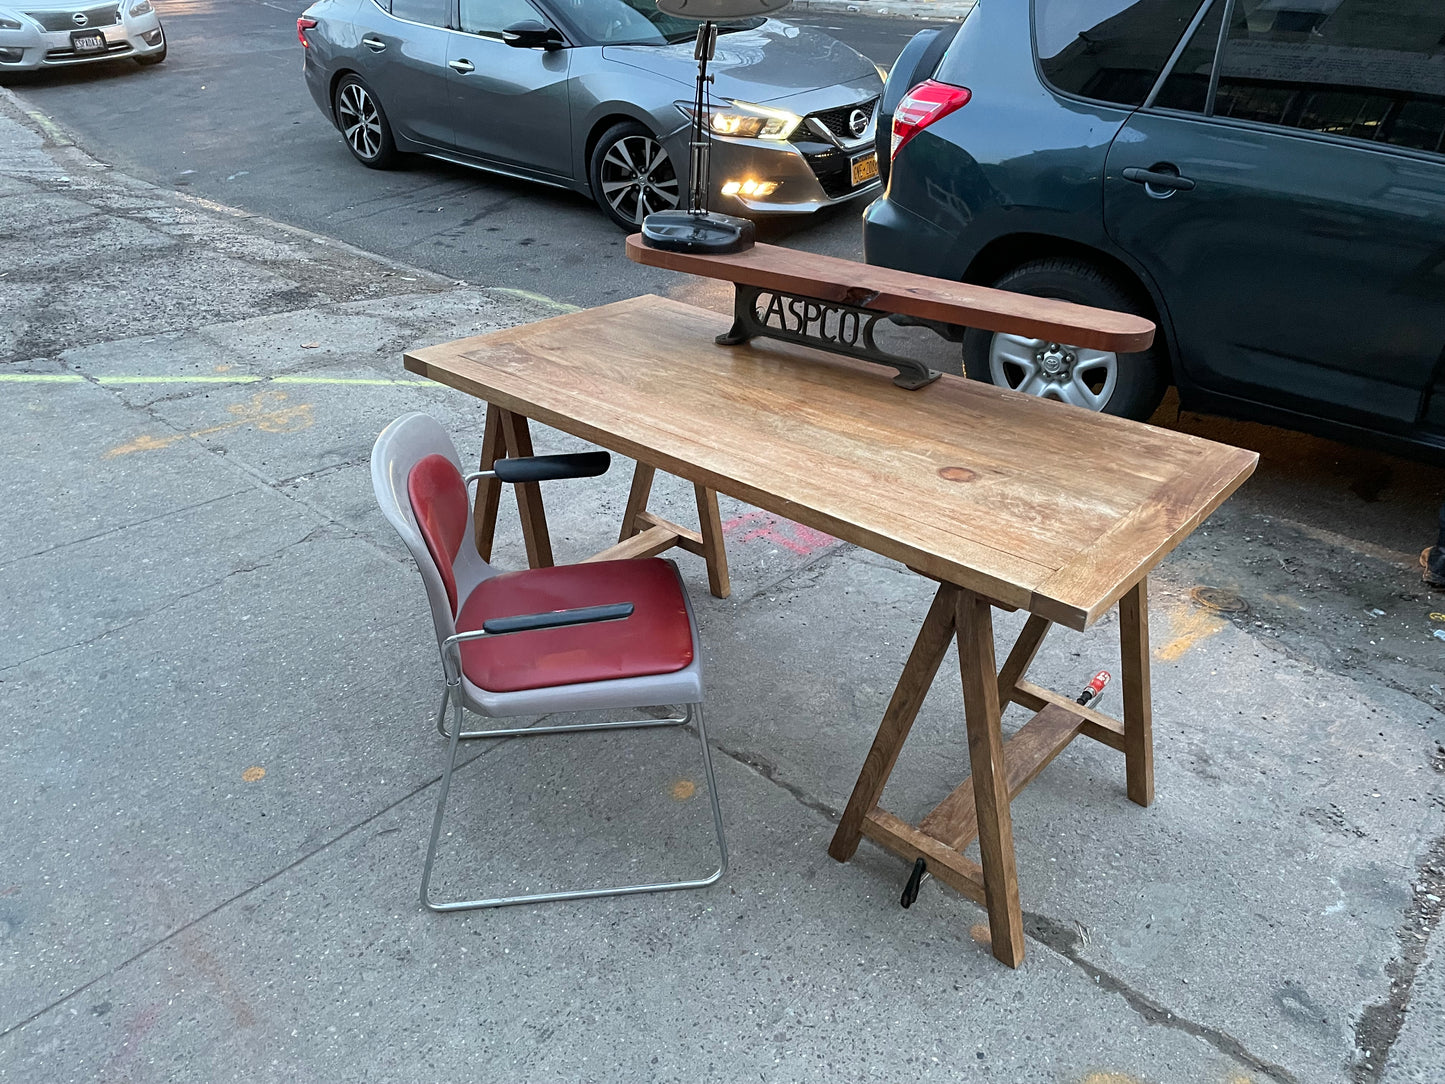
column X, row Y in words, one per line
column 638, row 22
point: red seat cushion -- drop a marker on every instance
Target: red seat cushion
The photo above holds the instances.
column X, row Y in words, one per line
column 656, row 639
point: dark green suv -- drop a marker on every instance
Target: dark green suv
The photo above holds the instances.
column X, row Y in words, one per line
column 1263, row 178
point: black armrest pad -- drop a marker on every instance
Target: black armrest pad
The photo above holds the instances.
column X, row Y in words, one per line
column 546, row 468
column 556, row 619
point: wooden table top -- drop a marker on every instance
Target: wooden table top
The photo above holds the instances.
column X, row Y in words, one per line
column 882, row 289
column 1037, row 505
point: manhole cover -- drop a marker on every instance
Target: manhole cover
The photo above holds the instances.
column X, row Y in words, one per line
column 1219, row 600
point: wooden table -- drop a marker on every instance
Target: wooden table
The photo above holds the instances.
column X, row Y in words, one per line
column 1006, row 500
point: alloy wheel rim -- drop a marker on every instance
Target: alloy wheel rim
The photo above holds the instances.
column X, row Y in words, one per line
column 637, row 178
column 360, row 120
column 1049, row 370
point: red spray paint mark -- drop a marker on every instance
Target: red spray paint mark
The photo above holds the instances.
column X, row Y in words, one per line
column 804, row 541
column 135, row 1032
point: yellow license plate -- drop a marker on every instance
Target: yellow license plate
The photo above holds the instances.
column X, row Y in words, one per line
column 865, row 168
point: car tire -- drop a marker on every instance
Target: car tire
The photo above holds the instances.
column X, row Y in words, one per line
column 627, row 155
column 364, row 127
column 1129, row 385
column 152, row 58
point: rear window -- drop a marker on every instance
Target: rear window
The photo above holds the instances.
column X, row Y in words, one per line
column 1108, row 50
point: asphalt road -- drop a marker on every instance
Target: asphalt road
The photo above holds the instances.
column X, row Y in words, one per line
column 228, row 117
column 1320, row 545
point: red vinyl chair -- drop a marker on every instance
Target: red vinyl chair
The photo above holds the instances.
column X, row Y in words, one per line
column 575, row 638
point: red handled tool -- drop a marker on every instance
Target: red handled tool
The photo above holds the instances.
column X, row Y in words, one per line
column 1094, row 689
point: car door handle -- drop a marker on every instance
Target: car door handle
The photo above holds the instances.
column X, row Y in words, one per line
column 461, row 66
column 1154, row 178
column 376, row 45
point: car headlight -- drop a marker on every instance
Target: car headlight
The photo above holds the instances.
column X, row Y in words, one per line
column 143, row 8
column 747, row 121
column 8, row 23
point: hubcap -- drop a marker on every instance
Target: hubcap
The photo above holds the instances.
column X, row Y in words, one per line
column 360, row 120
column 637, row 178
column 1071, row 374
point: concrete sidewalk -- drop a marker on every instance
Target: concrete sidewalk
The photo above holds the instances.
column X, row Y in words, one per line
column 216, row 685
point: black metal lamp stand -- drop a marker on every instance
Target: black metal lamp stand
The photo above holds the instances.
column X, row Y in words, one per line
column 697, row 229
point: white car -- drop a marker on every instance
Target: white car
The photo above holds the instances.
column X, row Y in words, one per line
column 37, row 34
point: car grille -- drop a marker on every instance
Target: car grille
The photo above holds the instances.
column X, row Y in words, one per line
column 834, row 171
column 70, row 56
column 836, row 120
column 105, row 15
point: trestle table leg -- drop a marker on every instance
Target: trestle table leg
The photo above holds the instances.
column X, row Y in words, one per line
column 529, row 494
column 990, row 777
column 489, row 490
column 1138, row 712
column 918, row 674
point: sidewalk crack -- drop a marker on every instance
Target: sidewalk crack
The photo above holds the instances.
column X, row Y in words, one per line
column 769, row 771
column 1065, row 941
column 1380, row 1024
column 263, row 561
column 120, row 527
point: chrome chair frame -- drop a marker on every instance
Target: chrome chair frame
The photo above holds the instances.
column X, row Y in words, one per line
column 460, row 695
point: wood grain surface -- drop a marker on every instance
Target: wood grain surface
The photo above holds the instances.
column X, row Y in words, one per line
column 1036, row 505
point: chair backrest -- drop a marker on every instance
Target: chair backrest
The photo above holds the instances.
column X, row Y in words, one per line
column 417, row 476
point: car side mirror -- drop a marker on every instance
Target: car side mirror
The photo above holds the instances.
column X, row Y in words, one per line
column 531, row 34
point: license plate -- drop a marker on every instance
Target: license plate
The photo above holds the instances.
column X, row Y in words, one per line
column 88, row 42
column 865, row 168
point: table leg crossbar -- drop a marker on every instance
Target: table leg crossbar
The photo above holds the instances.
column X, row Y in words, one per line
column 979, row 807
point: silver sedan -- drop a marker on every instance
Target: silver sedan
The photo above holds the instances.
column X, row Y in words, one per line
column 38, row 34
column 596, row 96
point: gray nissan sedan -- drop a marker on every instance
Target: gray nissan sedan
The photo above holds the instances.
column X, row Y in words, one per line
column 596, row 96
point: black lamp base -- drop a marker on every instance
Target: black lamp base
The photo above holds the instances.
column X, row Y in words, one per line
column 691, row 231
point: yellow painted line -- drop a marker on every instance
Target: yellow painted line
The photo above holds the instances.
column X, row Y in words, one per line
column 52, row 130
column 1354, row 545
column 74, row 378
column 219, row 208
column 541, row 299
column 240, row 378
column 380, row 381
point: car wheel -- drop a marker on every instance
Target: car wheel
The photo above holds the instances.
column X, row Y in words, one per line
column 152, row 58
column 363, row 124
column 1129, row 385
column 632, row 175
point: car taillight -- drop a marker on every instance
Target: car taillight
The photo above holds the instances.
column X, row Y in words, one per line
column 304, row 24
column 921, row 106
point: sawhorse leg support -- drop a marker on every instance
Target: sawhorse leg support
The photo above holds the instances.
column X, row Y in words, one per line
column 979, row 807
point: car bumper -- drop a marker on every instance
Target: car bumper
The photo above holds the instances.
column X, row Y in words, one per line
column 795, row 180
column 33, row 47
column 318, row 82
column 897, row 238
